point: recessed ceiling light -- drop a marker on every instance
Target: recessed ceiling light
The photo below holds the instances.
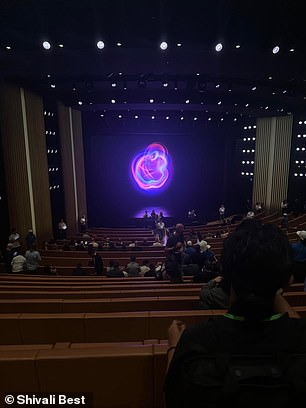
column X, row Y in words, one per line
column 209, row 118
column 218, row 86
column 182, row 117
column 100, row 45
column 80, row 103
column 119, row 44
column 114, row 85
column 270, row 77
column 284, row 91
column 246, row 105
column 151, row 100
column 46, row 45
column 187, row 101
column 163, row 45
column 195, row 118
column 218, row 47
column 136, row 116
column 113, row 101
column 238, row 46
column 61, row 45
column 179, row 44
column 8, row 47
column 254, row 88
column 219, row 103
column 102, row 116
column 275, row 49
column 52, row 85
column 167, row 117
column 152, row 117
column 291, row 50
column 119, row 116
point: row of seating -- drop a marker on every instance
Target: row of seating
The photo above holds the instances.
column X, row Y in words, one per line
column 34, row 328
column 116, row 375
column 116, row 304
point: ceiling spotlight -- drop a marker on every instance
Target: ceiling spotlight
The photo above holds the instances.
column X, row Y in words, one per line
column 267, row 107
column 165, row 84
column 221, row 119
column 246, row 105
column 80, row 103
column 195, row 118
column 46, row 45
column 179, row 44
column 8, row 47
column 218, row 86
column 209, row 118
column 119, row 116
column 270, row 77
column 113, row 101
column 182, row 117
column 284, row 91
column 238, row 46
column 100, row 45
column 114, row 85
column 254, row 88
column 102, row 116
column 275, row 49
column 136, row 116
column 291, row 50
column 167, row 117
column 218, row 47
column 119, row 44
column 187, row 101
column 61, row 45
column 163, row 46
column 52, row 85
column 152, row 117
column 219, row 103
column 151, row 100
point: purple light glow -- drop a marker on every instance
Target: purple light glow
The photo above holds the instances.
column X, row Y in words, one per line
column 150, row 168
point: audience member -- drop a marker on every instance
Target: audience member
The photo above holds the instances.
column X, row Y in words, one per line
column 83, row 223
column 151, row 272
column 115, row 271
column 256, row 262
column 133, row 268
column 14, row 238
column 19, row 263
column 284, row 206
column 284, row 221
column 79, row 271
column 157, row 242
column 50, row 270
column 299, row 257
column 97, row 262
column 144, row 267
column 30, row 239
column 62, row 229
column 222, row 213
column 33, row 259
column 174, row 254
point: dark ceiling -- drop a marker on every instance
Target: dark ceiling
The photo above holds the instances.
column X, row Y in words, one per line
column 248, row 80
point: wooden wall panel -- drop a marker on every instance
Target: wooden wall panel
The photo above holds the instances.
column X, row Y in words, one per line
column 39, row 165
column 14, row 156
column 272, row 160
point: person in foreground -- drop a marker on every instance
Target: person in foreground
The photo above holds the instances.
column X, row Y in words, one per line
column 259, row 324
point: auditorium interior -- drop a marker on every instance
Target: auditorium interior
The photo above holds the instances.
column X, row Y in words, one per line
column 109, row 109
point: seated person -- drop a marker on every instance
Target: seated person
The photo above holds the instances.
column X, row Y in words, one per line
column 157, row 242
column 115, row 271
column 133, row 268
column 256, row 263
column 79, row 271
column 144, row 267
column 151, row 272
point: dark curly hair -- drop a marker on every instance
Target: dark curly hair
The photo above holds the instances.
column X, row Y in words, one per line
column 256, row 261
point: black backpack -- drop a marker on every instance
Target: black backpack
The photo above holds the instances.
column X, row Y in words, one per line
column 242, row 381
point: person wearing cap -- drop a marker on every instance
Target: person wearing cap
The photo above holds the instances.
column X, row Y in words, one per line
column 299, row 256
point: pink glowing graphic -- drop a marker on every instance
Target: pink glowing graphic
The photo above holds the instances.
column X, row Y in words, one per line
column 151, row 167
